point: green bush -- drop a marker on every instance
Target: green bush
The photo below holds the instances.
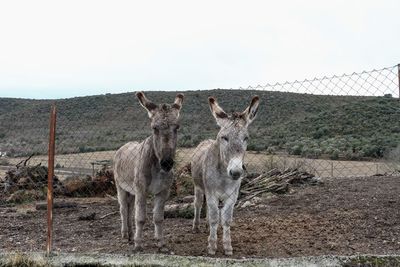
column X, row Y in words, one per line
column 334, row 155
column 255, row 147
column 296, row 150
column 85, row 149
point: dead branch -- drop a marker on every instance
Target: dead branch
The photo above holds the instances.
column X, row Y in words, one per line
column 24, row 161
column 108, row 214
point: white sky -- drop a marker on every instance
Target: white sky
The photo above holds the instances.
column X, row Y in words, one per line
column 54, row 49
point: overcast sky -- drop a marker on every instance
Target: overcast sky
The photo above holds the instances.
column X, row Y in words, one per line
column 57, row 49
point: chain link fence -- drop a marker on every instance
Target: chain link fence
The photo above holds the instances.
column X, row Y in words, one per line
column 294, row 133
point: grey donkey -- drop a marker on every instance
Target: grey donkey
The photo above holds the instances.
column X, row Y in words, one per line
column 217, row 171
column 140, row 168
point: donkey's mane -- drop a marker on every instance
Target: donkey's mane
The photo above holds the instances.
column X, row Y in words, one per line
column 236, row 115
column 165, row 107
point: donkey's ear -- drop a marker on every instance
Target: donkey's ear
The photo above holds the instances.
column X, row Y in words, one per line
column 178, row 102
column 251, row 111
column 146, row 103
column 219, row 114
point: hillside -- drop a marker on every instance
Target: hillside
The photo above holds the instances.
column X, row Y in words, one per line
column 302, row 124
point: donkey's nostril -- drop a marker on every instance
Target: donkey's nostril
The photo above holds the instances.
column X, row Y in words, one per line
column 167, row 164
column 235, row 174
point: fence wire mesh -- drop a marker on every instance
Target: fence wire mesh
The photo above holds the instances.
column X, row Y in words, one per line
column 339, row 126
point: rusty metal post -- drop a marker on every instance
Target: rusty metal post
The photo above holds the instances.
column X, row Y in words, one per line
column 50, row 175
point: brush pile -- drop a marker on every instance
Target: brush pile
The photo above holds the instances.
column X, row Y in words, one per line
column 183, row 183
column 273, row 181
column 100, row 185
column 25, row 183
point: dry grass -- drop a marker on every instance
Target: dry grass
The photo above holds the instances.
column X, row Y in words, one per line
column 23, row 260
column 255, row 162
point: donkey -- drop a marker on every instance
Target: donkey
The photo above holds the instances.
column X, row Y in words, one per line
column 145, row 167
column 217, row 169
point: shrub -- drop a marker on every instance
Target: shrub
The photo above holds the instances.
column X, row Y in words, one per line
column 271, row 150
column 320, row 133
column 334, row 155
column 372, row 151
column 311, row 152
column 255, row 147
column 85, row 149
column 296, row 150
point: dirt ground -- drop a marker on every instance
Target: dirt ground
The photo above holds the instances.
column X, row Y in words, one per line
column 340, row 217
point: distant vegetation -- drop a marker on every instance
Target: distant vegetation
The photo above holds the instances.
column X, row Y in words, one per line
column 348, row 127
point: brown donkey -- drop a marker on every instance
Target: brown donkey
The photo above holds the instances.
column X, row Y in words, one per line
column 145, row 167
column 217, row 169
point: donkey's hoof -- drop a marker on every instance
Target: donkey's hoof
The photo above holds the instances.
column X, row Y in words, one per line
column 125, row 235
column 137, row 248
column 130, row 237
column 228, row 249
column 211, row 251
column 196, row 229
column 229, row 252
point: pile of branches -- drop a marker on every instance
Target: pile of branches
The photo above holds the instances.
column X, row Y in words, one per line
column 102, row 184
column 183, row 184
column 273, row 181
column 25, row 182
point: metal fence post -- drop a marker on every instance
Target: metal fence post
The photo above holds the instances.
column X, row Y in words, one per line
column 50, row 176
column 398, row 77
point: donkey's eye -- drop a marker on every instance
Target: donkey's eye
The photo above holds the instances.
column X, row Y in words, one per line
column 225, row 138
column 246, row 139
column 155, row 130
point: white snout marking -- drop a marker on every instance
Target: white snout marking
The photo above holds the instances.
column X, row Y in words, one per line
column 235, row 164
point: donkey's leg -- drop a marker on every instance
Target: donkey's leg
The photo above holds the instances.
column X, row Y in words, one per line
column 226, row 220
column 123, row 209
column 213, row 220
column 198, row 203
column 158, row 217
column 131, row 205
column 140, row 218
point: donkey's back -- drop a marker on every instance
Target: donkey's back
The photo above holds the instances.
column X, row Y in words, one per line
column 125, row 163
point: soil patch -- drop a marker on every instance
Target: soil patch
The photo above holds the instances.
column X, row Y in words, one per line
column 341, row 216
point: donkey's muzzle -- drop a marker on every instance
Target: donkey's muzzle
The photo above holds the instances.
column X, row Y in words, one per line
column 167, row 164
column 235, row 174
